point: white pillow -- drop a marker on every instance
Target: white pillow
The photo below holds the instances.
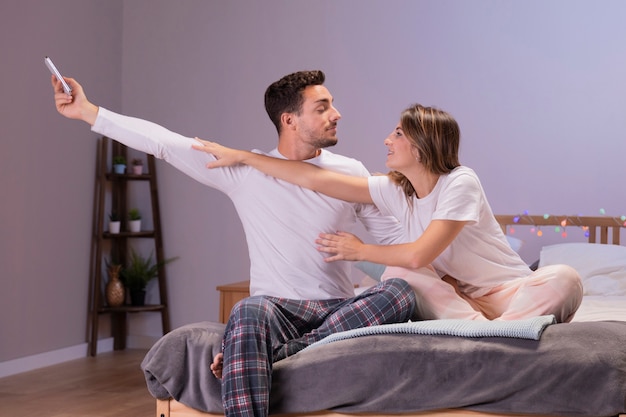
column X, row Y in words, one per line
column 602, row 268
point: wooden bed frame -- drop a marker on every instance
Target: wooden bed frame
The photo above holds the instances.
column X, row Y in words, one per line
column 606, row 226
column 172, row 408
column 600, row 229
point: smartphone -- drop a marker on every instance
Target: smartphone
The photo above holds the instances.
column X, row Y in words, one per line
column 57, row 74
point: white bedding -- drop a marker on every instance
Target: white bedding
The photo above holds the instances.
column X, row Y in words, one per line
column 598, row 308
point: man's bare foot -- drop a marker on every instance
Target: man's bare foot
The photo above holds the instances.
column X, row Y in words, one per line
column 217, row 365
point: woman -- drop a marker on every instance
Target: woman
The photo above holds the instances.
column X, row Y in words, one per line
column 458, row 261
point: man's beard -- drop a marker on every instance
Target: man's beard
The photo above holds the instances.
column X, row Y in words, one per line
column 324, row 142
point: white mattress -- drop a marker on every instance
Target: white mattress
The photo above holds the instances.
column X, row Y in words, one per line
column 598, row 308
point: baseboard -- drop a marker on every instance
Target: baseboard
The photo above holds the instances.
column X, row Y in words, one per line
column 54, row 357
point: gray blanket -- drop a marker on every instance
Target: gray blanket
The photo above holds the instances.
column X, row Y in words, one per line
column 575, row 369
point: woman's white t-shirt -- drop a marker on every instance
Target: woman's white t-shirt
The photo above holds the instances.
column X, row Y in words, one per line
column 480, row 257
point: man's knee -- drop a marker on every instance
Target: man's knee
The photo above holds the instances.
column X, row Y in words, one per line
column 397, row 285
column 402, row 294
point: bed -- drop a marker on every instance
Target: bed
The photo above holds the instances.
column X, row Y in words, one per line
column 573, row 369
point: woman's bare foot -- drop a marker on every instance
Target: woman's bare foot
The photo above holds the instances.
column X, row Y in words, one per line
column 217, row 365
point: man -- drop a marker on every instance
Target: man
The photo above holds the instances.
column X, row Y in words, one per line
column 296, row 297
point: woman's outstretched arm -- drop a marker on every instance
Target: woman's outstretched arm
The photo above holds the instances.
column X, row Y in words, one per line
column 341, row 186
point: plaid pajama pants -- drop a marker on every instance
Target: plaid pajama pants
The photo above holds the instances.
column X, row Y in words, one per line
column 262, row 330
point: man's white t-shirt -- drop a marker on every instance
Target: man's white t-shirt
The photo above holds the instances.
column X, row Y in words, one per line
column 480, row 256
column 281, row 220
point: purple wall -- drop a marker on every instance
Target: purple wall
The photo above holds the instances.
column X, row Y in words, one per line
column 48, row 166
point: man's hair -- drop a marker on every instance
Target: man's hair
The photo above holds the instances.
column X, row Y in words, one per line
column 285, row 95
column 436, row 136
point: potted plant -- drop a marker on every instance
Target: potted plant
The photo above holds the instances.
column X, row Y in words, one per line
column 114, row 222
column 137, row 166
column 119, row 164
column 138, row 273
column 134, row 220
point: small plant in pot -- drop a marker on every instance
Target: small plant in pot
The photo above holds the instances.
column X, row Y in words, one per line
column 119, row 164
column 114, row 222
column 138, row 273
column 137, row 166
column 134, row 220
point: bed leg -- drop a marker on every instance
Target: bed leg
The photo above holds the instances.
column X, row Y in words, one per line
column 162, row 408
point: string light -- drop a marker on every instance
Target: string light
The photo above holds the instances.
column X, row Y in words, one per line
column 568, row 220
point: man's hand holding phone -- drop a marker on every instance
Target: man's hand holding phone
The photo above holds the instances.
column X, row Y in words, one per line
column 72, row 104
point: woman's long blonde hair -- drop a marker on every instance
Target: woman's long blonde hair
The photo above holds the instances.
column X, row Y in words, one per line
column 436, row 136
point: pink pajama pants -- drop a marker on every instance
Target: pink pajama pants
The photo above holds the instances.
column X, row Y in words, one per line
column 553, row 289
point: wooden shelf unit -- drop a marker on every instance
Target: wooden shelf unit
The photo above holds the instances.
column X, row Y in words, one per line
column 114, row 187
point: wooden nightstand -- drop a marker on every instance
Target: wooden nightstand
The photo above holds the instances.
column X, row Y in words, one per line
column 229, row 295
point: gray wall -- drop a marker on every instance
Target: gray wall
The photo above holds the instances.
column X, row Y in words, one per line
column 536, row 86
column 47, row 172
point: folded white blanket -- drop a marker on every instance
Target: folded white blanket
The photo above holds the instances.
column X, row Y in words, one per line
column 522, row 329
